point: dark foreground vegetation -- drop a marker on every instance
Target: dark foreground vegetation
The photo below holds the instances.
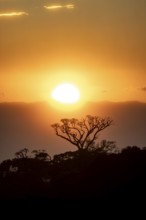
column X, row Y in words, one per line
column 92, row 174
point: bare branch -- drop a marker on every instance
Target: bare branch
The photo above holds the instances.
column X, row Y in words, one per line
column 81, row 133
column 66, row 139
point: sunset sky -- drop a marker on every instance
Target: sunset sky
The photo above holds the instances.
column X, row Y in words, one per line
column 98, row 45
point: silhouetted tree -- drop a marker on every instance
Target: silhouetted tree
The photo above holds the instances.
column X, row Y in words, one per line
column 81, row 133
column 131, row 150
column 22, row 153
column 104, row 147
column 69, row 155
column 41, row 155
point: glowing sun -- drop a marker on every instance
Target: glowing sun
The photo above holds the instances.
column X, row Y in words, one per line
column 66, row 93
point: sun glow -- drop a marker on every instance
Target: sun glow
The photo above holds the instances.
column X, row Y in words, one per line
column 66, row 93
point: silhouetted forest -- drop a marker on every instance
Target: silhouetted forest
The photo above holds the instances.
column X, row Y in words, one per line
column 91, row 174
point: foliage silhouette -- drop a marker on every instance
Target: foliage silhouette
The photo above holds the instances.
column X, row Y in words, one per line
column 41, row 155
column 103, row 176
column 22, row 153
column 82, row 133
column 104, row 147
column 69, row 155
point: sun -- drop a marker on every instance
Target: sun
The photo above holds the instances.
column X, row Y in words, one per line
column 66, row 93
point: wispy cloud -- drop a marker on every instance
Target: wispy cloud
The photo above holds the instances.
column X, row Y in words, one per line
column 13, row 14
column 53, row 7
column 143, row 89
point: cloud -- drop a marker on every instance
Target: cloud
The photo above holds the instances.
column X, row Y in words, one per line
column 13, row 14
column 53, row 7
column 143, row 89
column 39, row 133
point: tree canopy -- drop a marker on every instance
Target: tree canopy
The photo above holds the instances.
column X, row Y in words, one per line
column 82, row 133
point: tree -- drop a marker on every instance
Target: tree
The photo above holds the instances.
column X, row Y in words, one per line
column 69, row 155
column 105, row 147
column 22, row 153
column 82, row 133
column 41, row 155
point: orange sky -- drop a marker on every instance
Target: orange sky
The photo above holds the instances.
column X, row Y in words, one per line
column 98, row 45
